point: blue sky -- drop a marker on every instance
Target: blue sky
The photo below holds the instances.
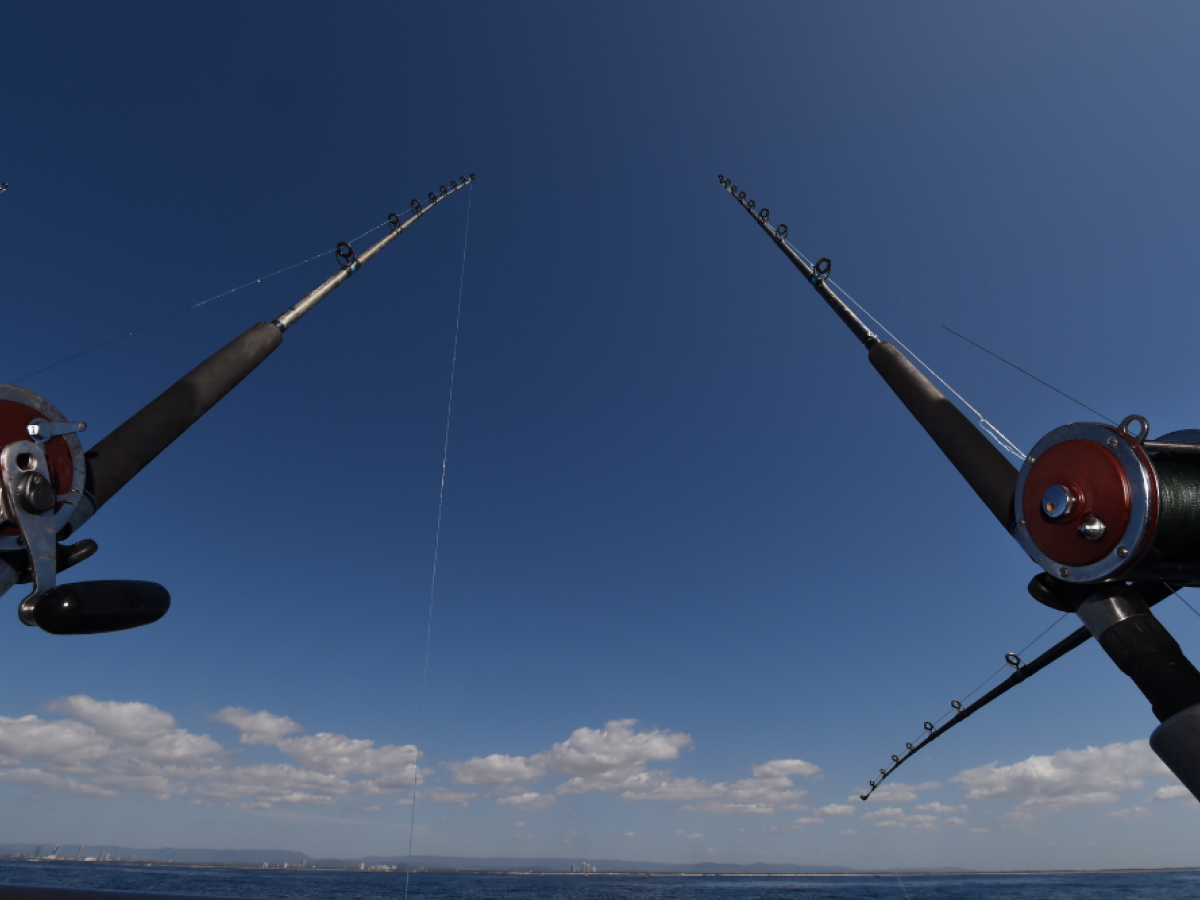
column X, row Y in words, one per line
column 699, row 574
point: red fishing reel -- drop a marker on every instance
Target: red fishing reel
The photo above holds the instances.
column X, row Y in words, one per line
column 42, row 483
column 46, row 468
column 1098, row 503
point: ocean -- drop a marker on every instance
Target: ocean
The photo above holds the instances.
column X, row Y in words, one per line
column 351, row 885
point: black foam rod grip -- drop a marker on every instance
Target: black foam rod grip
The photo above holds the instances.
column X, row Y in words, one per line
column 977, row 459
column 97, row 607
column 133, row 444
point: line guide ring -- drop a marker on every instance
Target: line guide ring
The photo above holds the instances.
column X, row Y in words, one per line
column 346, row 257
column 1140, row 437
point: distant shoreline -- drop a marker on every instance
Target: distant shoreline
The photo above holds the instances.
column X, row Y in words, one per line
column 632, row 873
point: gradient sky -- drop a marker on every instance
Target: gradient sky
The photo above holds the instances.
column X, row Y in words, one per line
column 699, row 575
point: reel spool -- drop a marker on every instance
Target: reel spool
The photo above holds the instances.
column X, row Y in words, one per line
column 20, row 409
column 42, row 481
column 1095, row 503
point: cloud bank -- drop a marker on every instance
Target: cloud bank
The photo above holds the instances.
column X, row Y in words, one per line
column 104, row 749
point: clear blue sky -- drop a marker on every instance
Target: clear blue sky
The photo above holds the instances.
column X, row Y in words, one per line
column 677, row 493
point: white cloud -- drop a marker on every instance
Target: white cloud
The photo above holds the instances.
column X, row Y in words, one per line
column 62, row 746
column 894, row 817
column 836, row 809
column 848, row 831
column 615, row 759
column 372, row 808
column 120, row 738
column 157, row 787
column 617, row 746
column 442, row 795
column 807, row 820
column 273, row 783
column 110, row 748
column 1117, row 767
column 337, row 754
column 609, row 759
column 257, row 728
column 884, row 813
column 956, row 820
column 761, row 796
column 114, row 747
column 1171, row 792
column 1070, row 801
column 494, row 769
column 896, row 792
column 782, row 768
column 38, row 778
column 530, row 801
column 137, row 723
column 941, row 809
column 695, row 837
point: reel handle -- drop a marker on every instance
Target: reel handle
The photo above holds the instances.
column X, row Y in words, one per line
column 96, row 607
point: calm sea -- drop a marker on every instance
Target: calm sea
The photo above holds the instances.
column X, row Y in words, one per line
column 279, row 883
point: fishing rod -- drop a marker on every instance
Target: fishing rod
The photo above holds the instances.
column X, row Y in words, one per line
column 1112, row 517
column 50, row 487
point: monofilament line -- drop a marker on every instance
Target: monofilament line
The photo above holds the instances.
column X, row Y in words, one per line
column 963, row 337
column 985, row 426
column 437, row 539
column 179, row 312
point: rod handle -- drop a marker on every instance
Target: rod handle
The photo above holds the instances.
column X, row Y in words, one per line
column 987, row 471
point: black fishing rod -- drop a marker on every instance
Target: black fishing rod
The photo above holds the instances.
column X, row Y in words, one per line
column 1112, row 518
column 50, row 487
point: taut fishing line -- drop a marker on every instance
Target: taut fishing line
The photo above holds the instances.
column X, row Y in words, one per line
column 961, row 337
column 140, row 328
column 412, row 819
column 987, row 427
column 1003, row 442
column 990, row 678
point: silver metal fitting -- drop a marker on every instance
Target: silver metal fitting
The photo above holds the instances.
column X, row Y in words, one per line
column 1058, row 501
column 41, row 431
column 1102, row 611
column 1092, row 528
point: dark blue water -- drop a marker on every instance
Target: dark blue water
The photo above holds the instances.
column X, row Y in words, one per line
column 279, row 883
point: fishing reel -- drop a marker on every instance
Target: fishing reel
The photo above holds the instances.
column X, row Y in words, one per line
column 1097, row 503
column 43, row 499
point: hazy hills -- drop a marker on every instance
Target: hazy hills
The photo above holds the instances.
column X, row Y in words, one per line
column 275, row 858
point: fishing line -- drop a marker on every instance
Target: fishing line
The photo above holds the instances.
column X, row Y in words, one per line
column 1185, row 603
column 437, row 539
column 960, row 712
column 989, row 678
column 988, row 428
column 139, row 329
column 973, row 343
